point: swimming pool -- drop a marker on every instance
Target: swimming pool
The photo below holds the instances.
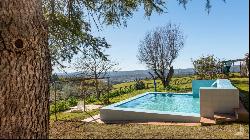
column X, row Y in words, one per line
column 207, row 98
column 154, row 106
column 165, row 102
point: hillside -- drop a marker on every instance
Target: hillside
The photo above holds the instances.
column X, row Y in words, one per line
column 126, row 76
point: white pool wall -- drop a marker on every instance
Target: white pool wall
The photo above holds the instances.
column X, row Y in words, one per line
column 113, row 113
column 110, row 115
column 223, row 98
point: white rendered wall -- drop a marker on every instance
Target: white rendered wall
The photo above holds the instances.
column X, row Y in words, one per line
column 215, row 100
column 109, row 115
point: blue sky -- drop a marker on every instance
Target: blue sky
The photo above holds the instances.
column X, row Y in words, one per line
column 223, row 32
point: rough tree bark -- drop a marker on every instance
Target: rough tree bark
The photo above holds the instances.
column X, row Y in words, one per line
column 97, row 88
column 24, row 70
column 166, row 81
column 169, row 76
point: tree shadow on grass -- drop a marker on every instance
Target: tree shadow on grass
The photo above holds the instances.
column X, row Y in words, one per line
column 244, row 97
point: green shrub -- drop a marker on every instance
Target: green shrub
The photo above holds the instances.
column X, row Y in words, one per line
column 139, row 85
column 114, row 94
column 105, row 99
column 57, row 108
column 91, row 99
column 52, row 109
column 72, row 101
column 208, row 67
column 62, row 105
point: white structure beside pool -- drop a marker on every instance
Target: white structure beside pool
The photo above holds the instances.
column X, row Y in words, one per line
column 207, row 98
column 223, row 97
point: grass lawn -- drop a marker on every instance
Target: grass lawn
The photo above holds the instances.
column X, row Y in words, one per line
column 63, row 116
column 184, row 83
column 243, row 85
column 61, row 129
column 70, row 125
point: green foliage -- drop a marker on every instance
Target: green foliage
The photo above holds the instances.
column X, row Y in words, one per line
column 119, row 98
column 176, row 85
column 106, row 97
column 124, row 93
column 139, row 85
column 72, row 101
column 173, row 88
column 91, row 99
column 70, row 22
column 207, row 67
column 69, row 90
column 69, row 34
column 113, row 94
column 59, row 106
column 63, row 105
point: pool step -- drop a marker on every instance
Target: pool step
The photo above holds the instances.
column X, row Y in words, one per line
column 207, row 121
column 241, row 114
column 220, row 118
column 217, row 119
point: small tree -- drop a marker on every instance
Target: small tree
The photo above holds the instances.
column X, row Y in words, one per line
column 93, row 66
column 207, row 67
column 159, row 49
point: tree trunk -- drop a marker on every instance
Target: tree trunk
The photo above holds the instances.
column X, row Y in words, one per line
column 97, row 88
column 166, row 81
column 163, row 81
column 24, row 70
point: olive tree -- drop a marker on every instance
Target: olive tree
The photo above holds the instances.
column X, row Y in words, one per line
column 207, row 67
column 92, row 66
column 159, row 49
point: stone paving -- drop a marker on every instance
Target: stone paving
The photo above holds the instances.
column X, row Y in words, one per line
column 80, row 108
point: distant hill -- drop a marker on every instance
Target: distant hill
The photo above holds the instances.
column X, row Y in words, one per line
column 126, row 76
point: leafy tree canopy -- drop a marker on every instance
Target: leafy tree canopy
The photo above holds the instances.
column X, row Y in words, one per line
column 69, row 22
column 208, row 67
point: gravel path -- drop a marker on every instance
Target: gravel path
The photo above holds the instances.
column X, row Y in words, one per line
column 80, row 108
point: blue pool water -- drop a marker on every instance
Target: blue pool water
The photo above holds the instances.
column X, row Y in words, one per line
column 165, row 102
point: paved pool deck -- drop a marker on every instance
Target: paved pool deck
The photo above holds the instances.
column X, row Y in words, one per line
column 80, row 108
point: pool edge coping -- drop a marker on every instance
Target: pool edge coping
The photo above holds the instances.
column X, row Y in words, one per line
column 113, row 106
